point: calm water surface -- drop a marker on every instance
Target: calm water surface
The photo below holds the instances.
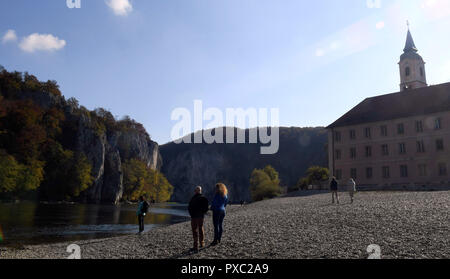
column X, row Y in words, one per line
column 36, row 223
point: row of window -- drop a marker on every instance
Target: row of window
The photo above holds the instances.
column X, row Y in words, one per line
column 384, row 130
column 420, row 148
column 386, row 171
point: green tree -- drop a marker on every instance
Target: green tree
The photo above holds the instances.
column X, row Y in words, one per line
column 68, row 173
column 303, row 183
column 317, row 174
column 31, row 177
column 16, row 179
column 139, row 179
column 79, row 175
column 264, row 184
column 10, row 171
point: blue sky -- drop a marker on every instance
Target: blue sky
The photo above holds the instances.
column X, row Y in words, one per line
column 313, row 60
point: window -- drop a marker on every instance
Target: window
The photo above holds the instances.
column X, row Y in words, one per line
column 368, row 151
column 369, row 173
column 338, row 174
column 438, row 124
column 404, row 171
column 384, row 131
column 367, row 133
column 352, row 134
column 338, row 154
column 353, row 153
column 419, row 126
column 402, row 148
column 439, row 145
column 353, row 173
column 421, row 71
column 385, row 150
column 420, row 147
column 386, row 173
column 337, row 136
column 400, row 129
column 407, row 71
column 422, row 170
column 442, row 169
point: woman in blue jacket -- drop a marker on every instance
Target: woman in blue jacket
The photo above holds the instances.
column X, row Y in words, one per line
column 218, row 206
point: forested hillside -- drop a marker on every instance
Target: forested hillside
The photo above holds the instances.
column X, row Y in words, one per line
column 53, row 149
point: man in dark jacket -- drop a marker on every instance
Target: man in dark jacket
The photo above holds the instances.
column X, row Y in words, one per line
column 198, row 207
column 334, row 190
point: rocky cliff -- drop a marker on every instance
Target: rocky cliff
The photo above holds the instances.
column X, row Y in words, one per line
column 188, row 165
column 106, row 150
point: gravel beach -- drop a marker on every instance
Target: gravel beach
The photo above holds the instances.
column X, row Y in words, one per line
column 403, row 224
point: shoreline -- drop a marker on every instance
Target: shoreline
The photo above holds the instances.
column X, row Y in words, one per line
column 404, row 224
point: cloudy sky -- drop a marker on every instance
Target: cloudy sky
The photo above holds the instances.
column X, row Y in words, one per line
column 313, row 60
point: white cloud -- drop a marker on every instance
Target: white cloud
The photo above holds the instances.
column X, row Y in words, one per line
column 120, row 7
column 41, row 42
column 10, row 36
column 380, row 25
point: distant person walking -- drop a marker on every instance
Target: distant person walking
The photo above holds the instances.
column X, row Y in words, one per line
column 141, row 212
column 218, row 206
column 334, row 190
column 351, row 187
column 198, row 207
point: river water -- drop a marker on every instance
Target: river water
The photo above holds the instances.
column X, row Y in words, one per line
column 36, row 223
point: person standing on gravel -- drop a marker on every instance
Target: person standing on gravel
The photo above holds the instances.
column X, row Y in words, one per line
column 141, row 212
column 218, row 206
column 351, row 187
column 334, row 190
column 198, row 207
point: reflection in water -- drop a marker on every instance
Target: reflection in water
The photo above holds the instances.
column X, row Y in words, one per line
column 1, row 234
column 34, row 223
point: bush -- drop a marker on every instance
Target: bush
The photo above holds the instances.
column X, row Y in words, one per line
column 314, row 175
column 264, row 184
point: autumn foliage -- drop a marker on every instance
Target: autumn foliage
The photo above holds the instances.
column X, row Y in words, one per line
column 38, row 154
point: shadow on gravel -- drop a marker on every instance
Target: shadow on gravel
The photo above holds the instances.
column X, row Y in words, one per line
column 304, row 193
column 185, row 254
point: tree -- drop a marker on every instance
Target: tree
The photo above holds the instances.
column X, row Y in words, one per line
column 67, row 173
column 272, row 173
column 317, row 174
column 31, row 177
column 264, row 184
column 73, row 102
column 303, row 183
column 79, row 175
column 17, row 179
column 9, row 173
column 139, row 179
column 314, row 175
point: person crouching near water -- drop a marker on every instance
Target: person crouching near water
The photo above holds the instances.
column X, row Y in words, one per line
column 351, row 187
column 218, row 206
column 334, row 190
column 141, row 212
column 198, row 207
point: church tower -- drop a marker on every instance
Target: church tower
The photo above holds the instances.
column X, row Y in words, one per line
column 412, row 66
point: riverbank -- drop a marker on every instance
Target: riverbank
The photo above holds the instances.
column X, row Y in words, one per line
column 403, row 224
